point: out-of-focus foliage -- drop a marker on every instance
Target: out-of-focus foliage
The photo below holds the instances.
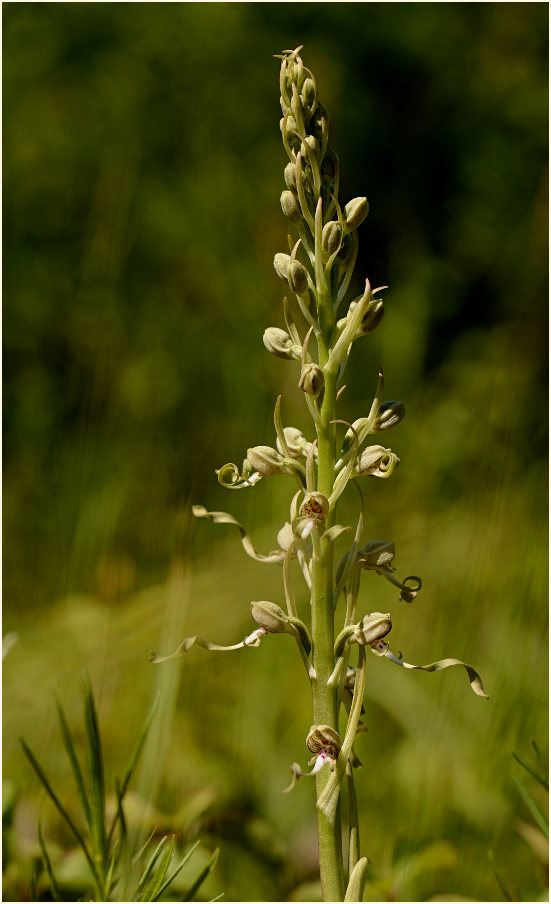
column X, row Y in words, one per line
column 142, row 173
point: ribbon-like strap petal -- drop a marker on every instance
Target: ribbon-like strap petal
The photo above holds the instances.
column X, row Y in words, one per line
column 474, row 678
column 224, row 518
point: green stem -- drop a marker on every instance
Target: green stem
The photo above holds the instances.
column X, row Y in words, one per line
column 324, row 697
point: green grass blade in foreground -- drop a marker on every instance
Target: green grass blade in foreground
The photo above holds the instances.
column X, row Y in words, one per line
column 176, row 871
column 96, row 779
column 135, row 756
column 157, row 875
column 539, row 817
column 45, row 781
column 540, row 777
column 56, row 893
column 75, row 765
column 504, row 890
column 189, row 896
column 150, row 866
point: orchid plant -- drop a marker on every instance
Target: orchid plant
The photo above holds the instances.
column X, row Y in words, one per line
column 318, row 340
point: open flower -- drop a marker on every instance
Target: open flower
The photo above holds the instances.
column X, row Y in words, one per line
column 325, row 743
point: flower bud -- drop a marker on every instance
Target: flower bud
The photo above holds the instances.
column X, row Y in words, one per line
column 281, row 264
column 311, row 380
column 331, row 237
column 315, row 506
column 372, row 317
column 372, row 628
column 347, row 250
column 290, row 176
column 278, row 342
column 376, row 554
column 298, row 278
column 312, row 144
column 355, row 213
column 308, row 92
column 390, row 414
column 329, row 168
column 296, row 443
column 271, row 617
column 266, row 461
column 289, row 125
column 324, row 739
column 290, row 207
column 377, row 462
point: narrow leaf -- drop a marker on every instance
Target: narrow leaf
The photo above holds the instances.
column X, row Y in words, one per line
column 148, row 869
column 504, row 890
column 95, row 775
column 202, row 876
column 53, row 796
column 157, row 875
column 534, row 808
column 56, row 892
column 356, row 884
column 542, row 779
column 173, row 875
column 75, row 765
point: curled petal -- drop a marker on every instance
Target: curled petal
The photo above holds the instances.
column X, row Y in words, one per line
column 474, row 678
column 224, row 518
column 229, row 476
column 252, row 640
column 321, row 760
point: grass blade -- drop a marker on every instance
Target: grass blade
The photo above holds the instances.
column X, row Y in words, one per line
column 53, row 796
column 202, row 876
column 56, row 892
column 173, row 875
column 504, row 890
column 534, row 808
column 539, row 776
column 75, row 765
column 146, row 873
column 157, row 876
column 96, row 778
column 134, row 758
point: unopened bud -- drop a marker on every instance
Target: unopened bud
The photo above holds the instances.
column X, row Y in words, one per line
column 315, row 507
column 376, row 554
column 281, row 264
column 347, row 250
column 271, row 617
column 372, row 628
column 329, row 168
column 331, row 237
column 313, row 144
column 324, row 739
column 290, row 207
column 296, row 442
column 267, row 461
column 278, row 342
column 355, row 213
column 377, row 461
column 290, row 176
column 372, row 317
column 390, row 414
column 298, row 278
column 311, row 380
column 308, row 91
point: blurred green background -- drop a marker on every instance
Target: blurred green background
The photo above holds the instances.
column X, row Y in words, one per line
column 142, row 174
